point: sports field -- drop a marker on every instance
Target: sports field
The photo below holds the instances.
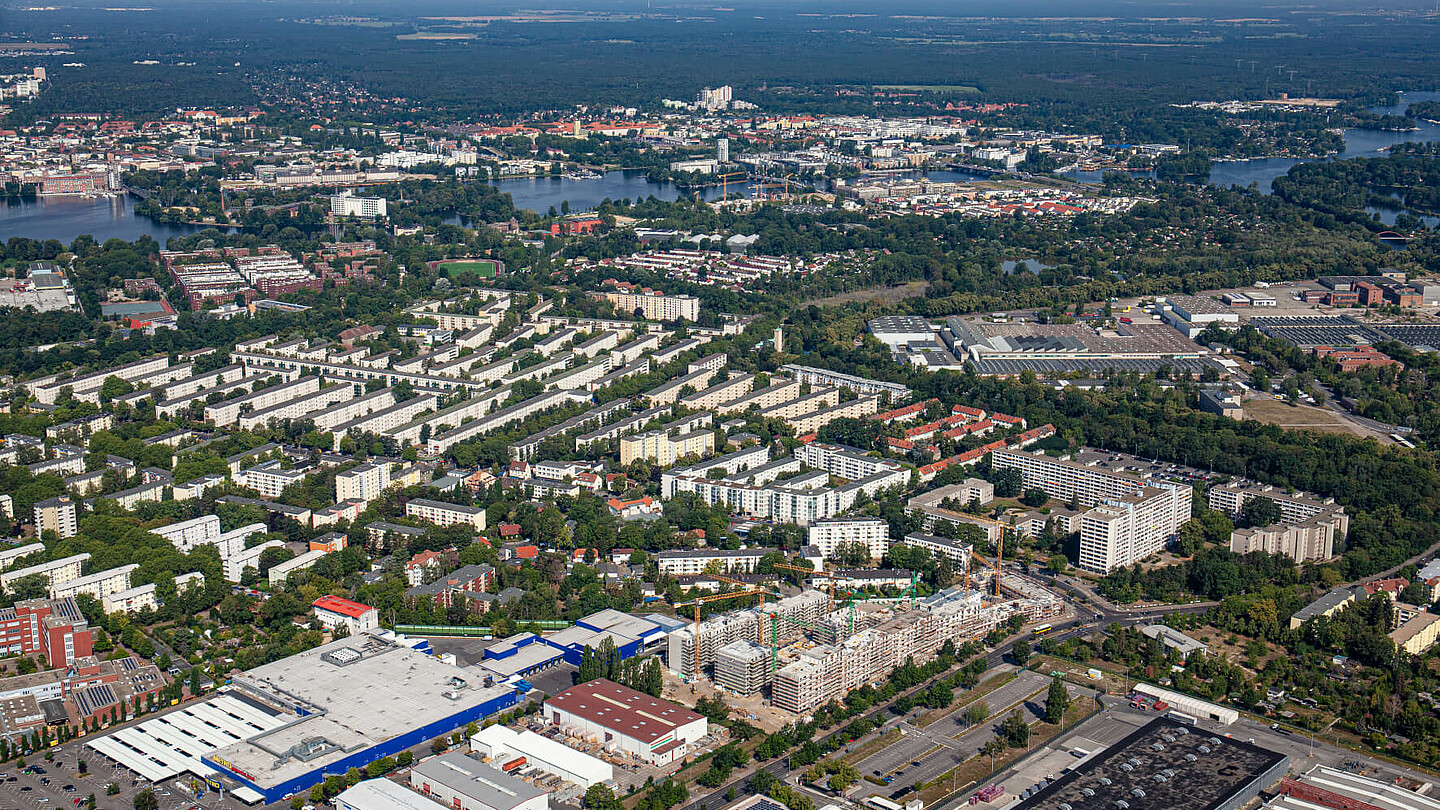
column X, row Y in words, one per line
column 480, row 267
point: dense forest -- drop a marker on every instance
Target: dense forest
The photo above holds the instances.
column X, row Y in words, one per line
column 1407, row 180
column 1063, row 70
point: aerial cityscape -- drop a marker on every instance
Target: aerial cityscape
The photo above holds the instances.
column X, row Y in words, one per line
column 767, row 406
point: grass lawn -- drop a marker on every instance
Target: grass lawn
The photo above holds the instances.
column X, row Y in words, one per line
column 480, row 267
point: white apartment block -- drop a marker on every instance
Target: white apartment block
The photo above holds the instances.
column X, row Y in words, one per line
column 771, row 395
column 55, row 571
column 603, row 342
column 1123, row 531
column 270, row 478
column 229, row 411
column 385, row 420
column 86, row 387
column 804, row 405
column 635, row 349
column 247, row 558
column 1306, row 541
column 346, row 204
column 280, row 572
column 1294, row 507
column 352, row 408
column 9, row 556
column 187, row 534
column 199, row 383
column 665, row 449
column 720, row 392
column 132, row 600
column 515, row 413
column 958, row 553
column 181, row 402
column 363, row 483
column 1130, row 517
column 196, row 487
column 682, row 563
column 654, row 307
column 860, row 385
column 99, row 585
column 297, row 408
column 445, row 514
column 580, row 377
column 751, row 488
column 833, row 535
column 854, row 409
column 668, row 393
column 844, row 462
column 59, row 515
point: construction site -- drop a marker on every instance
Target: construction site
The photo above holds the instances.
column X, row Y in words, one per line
column 799, row 652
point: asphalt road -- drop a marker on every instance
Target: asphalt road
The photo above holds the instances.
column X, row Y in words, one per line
column 945, row 749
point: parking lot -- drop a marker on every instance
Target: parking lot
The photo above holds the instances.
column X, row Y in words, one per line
column 47, row 790
column 1119, row 719
column 950, row 740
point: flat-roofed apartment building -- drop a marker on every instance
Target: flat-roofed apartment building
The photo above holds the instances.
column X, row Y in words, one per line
column 681, row 563
column 833, row 536
column 445, row 514
column 1130, row 517
column 1295, row 507
column 663, row 448
column 363, row 483
column 654, row 307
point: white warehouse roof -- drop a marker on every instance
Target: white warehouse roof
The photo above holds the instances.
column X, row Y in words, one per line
column 501, row 742
column 1189, row 705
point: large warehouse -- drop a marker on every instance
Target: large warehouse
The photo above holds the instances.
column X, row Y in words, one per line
column 459, row 782
column 283, row 727
column 618, row 717
column 631, row 635
column 503, row 744
column 1165, row 765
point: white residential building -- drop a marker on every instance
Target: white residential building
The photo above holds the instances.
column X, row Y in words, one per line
column 363, row 483
column 445, row 514
column 834, row 535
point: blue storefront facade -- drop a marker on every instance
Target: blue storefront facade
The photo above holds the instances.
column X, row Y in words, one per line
column 359, row 759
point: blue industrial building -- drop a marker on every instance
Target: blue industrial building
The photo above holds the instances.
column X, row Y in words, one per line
column 631, row 635
column 345, row 705
column 519, row 655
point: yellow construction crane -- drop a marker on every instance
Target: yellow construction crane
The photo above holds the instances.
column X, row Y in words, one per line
column 725, row 184
column 702, row 600
column 995, row 566
column 814, row 573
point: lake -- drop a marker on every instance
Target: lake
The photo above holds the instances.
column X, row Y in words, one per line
column 1358, row 143
column 104, row 218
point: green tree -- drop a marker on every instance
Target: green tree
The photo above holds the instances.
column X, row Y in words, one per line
column 1015, row 730
column 600, row 797
column 1021, row 652
column 1056, row 702
column 146, row 800
column 1259, row 511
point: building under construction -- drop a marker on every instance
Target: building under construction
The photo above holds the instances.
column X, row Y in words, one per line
column 742, row 667
column 811, row 654
column 790, row 616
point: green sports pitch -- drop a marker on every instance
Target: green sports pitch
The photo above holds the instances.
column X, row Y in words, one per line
column 481, row 267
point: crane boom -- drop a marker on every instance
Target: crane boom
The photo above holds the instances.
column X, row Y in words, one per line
column 702, row 600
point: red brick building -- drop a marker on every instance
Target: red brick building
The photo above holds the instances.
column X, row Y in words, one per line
column 54, row 628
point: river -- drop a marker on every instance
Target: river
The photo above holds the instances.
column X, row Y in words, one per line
column 104, row 218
